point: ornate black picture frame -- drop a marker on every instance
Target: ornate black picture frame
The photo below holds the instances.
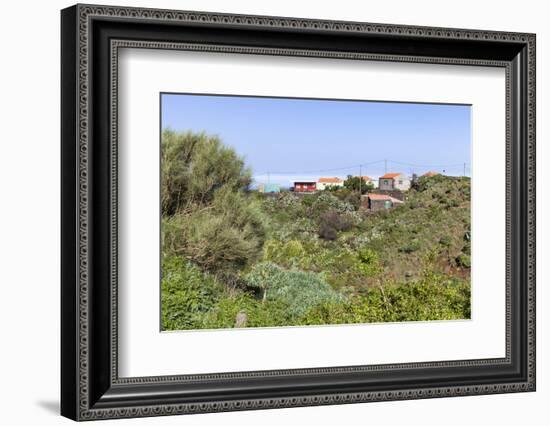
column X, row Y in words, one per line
column 91, row 387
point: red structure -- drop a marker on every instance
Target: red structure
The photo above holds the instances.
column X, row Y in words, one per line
column 305, row 186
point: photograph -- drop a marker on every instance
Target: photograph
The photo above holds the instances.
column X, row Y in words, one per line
column 265, row 209
column 279, row 212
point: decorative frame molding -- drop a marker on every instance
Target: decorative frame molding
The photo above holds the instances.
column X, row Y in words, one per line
column 91, row 37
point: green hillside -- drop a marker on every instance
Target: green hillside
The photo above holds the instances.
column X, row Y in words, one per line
column 235, row 257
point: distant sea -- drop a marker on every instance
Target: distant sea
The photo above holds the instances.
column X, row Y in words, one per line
column 287, row 181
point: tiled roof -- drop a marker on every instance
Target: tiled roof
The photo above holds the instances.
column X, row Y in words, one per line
column 380, row 197
column 390, row 175
column 330, row 180
column 430, row 174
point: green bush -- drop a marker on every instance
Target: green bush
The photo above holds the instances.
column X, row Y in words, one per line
column 258, row 314
column 284, row 253
column 348, row 196
column 326, row 201
column 432, row 298
column 299, row 290
column 224, row 237
column 186, row 294
column 331, row 222
column 410, row 247
column 353, row 183
column 464, row 260
column 194, row 166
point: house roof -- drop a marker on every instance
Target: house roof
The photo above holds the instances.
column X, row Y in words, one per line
column 430, row 174
column 367, row 178
column 380, row 197
column 330, row 180
column 390, row 175
column 304, row 181
column 383, row 197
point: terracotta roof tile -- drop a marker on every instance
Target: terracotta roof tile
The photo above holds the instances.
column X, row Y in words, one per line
column 380, row 197
column 390, row 175
column 330, row 180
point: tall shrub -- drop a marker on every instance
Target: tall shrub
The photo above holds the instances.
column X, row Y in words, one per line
column 194, row 166
column 299, row 290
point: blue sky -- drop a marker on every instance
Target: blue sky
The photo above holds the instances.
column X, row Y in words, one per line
column 299, row 138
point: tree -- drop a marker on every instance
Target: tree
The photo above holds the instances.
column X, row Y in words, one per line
column 194, row 166
column 207, row 218
column 353, row 183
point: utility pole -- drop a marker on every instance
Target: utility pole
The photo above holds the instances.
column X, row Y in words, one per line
column 360, row 180
column 385, row 166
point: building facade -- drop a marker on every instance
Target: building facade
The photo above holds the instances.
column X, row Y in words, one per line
column 329, row 182
column 391, row 181
column 269, row 188
column 305, row 186
column 377, row 202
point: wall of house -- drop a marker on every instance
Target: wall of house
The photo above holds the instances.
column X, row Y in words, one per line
column 386, row 184
column 305, row 186
column 324, row 185
column 376, row 205
column 402, row 183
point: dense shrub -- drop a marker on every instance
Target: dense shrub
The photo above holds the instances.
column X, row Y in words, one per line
column 288, row 253
column 226, row 236
column 353, row 183
column 409, row 247
column 186, row 293
column 331, row 222
column 464, row 260
column 326, row 201
column 194, row 166
column 299, row 290
column 257, row 313
column 286, row 205
column 432, row 298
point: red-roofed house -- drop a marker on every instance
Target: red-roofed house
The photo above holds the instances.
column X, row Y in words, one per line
column 305, row 186
column 381, row 202
column 430, row 174
column 391, row 181
column 329, row 182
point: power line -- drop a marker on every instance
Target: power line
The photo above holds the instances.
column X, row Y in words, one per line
column 463, row 166
column 323, row 170
column 427, row 165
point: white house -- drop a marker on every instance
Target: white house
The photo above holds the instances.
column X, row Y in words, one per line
column 329, row 182
column 391, row 181
column 370, row 181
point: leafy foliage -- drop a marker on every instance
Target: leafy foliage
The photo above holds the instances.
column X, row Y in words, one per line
column 354, row 183
column 299, row 290
column 225, row 236
column 194, row 166
column 331, row 222
column 186, row 293
column 432, row 298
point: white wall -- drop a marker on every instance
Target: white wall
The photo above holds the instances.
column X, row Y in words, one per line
column 29, row 229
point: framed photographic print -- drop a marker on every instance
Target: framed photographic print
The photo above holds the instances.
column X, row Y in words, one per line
column 263, row 212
